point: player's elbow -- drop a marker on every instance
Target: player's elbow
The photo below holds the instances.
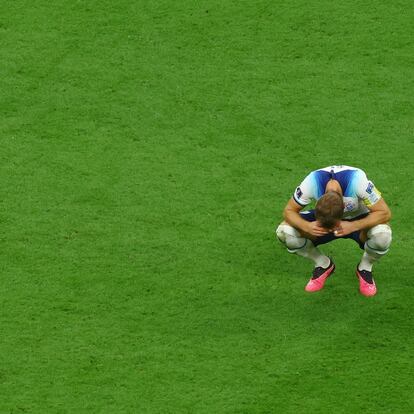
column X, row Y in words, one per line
column 287, row 213
column 386, row 215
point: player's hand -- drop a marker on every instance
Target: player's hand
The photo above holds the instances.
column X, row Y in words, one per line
column 315, row 229
column 344, row 228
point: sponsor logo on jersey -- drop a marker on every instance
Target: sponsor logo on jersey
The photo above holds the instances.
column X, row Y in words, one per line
column 299, row 192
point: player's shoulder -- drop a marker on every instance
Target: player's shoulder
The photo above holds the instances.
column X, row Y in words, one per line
column 334, row 169
column 342, row 173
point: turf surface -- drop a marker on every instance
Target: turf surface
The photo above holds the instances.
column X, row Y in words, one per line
column 147, row 151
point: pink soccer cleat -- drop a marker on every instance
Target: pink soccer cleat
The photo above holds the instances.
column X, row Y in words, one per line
column 319, row 277
column 367, row 285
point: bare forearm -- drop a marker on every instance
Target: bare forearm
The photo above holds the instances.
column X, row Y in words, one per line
column 294, row 219
column 373, row 219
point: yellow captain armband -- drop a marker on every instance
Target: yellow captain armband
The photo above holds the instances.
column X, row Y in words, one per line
column 372, row 196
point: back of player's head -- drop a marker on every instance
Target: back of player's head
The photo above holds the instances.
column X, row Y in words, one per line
column 329, row 209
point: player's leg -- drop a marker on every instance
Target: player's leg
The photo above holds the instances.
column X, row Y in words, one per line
column 377, row 245
column 297, row 244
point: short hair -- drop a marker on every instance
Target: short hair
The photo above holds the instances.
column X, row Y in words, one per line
column 329, row 209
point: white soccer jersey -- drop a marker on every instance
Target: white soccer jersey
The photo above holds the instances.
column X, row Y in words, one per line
column 358, row 192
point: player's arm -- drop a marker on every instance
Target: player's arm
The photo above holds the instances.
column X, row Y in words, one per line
column 380, row 213
column 379, row 210
column 292, row 217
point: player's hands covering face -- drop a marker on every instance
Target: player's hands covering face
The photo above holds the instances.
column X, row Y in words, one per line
column 315, row 229
column 344, row 228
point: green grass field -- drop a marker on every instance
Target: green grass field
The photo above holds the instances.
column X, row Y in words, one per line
column 147, row 152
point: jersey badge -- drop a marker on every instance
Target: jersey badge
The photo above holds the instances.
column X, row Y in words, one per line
column 349, row 205
column 370, row 188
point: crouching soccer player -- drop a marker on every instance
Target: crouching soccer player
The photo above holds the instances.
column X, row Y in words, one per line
column 348, row 206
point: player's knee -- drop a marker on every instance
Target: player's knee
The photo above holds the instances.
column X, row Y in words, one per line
column 280, row 234
column 289, row 236
column 294, row 243
column 284, row 231
column 379, row 238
